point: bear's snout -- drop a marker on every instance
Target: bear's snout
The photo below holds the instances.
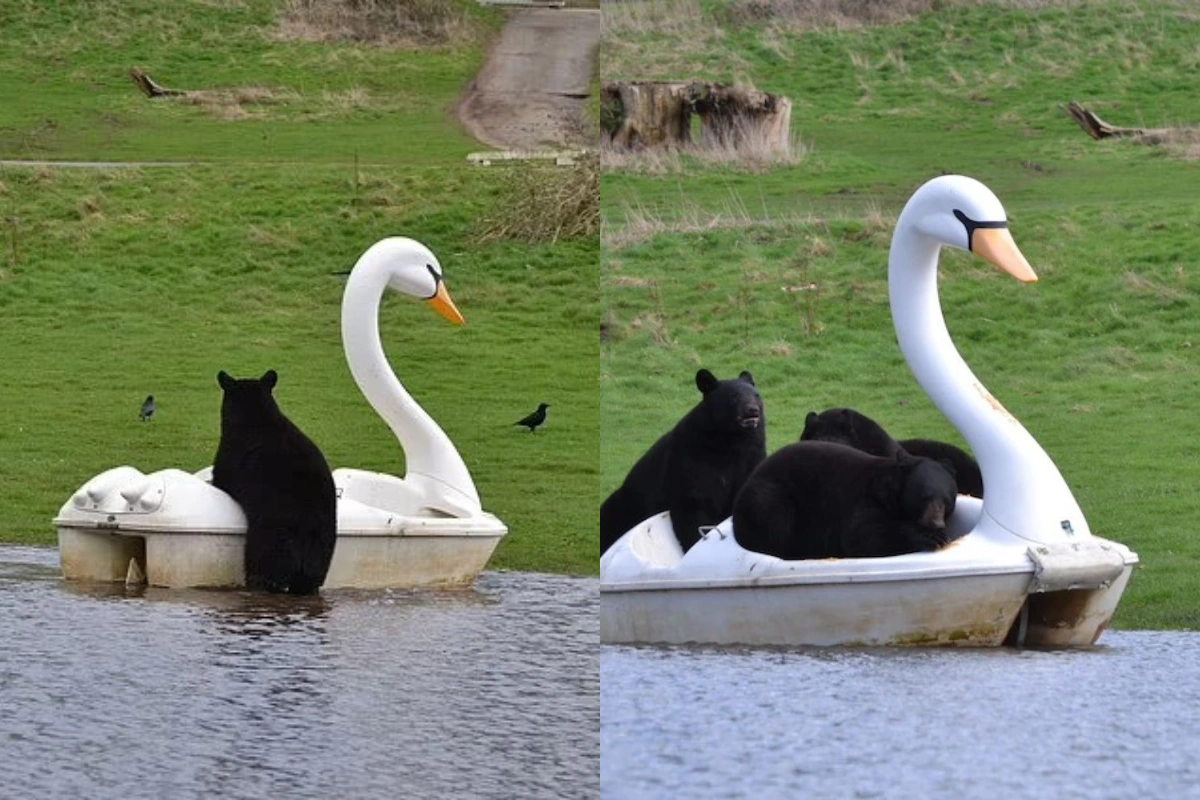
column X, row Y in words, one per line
column 749, row 414
column 934, row 515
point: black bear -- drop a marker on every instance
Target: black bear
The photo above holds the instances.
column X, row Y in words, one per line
column 696, row 469
column 828, row 500
column 283, row 484
column 849, row 427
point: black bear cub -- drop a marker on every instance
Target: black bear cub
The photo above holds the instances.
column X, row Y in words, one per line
column 849, row 427
column 827, row 500
column 283, row 484
column 695, row 469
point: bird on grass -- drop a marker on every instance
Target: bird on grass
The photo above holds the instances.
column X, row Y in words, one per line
column 535, row 419
column 148, row 408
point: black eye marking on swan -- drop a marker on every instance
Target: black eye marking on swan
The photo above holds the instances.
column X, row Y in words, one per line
column 971, row 225
column 437, row 280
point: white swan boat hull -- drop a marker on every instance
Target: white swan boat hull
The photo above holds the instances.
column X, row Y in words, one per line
column 978, row 591
column 179, row 531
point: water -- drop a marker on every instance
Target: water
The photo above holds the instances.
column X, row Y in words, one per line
column 190, row 694
column 1116, row 721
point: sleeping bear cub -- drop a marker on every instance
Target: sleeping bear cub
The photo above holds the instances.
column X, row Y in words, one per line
column 283, row 484
column 847, row 426
column 827, row 500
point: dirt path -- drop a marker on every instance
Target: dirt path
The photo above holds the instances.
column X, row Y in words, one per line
column 532, row 88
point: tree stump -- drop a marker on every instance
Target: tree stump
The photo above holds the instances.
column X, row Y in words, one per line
column 734, row 117
column 636, row 115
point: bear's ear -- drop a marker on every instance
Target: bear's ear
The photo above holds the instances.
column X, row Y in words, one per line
column 810, row 418
column 224, row 380
column 706, row 381
column 747, row 377
column 949, row 465
column 270, row 378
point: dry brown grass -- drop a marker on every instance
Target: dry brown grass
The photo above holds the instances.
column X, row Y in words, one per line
column 1143, row 285
column 247, row 102
column 660, row 16
column 808, row 15
column 642, row 224
column 394, row 23
column 682, row 21
column 689, row 17
column 750, row 151
column 542, row 203
column 696, row 34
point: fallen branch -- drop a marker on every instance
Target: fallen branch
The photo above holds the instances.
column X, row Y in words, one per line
column 1098, row 129
column 150, row 88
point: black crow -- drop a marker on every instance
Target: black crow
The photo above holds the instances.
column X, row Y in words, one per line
column 535, row 419
column 147, row 409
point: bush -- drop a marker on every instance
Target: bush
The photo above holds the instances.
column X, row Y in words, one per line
column 542, row 203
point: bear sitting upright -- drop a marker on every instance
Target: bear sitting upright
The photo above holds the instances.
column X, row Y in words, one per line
column 696, row 469
column 827, row 500
column 283, row 484
column 849, row 427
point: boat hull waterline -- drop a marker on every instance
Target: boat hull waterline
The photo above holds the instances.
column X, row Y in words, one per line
column 978, row 591
column 182, row 532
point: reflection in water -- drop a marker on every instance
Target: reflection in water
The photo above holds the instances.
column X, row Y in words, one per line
column 115, row 692
column 1107, row 722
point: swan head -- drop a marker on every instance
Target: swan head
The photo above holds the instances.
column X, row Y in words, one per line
column 961, row 212
column 414, row 270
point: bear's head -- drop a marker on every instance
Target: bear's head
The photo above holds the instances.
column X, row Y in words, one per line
column 849, row 427
column 733, row 405
column 247, row 400
column 919, row 490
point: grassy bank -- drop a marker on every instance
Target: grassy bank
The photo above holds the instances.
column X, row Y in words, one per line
column 119, row 283
column 269, row 84
column 783, row 270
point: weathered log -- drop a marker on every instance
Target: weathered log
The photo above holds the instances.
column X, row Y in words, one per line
column 638, row 115
column 150, row 88
column 1098, row 129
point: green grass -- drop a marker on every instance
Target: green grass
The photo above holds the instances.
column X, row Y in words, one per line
column 1099, row 360
column 115, row 284
column 65, row 90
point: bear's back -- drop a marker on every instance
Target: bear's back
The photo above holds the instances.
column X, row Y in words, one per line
column 849, row 427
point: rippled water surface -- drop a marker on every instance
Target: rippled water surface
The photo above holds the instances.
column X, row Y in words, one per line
column 1117, row 721
column 181, row 694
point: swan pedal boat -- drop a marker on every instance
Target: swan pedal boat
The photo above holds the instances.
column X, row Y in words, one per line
column 982, row 590
column 1023, row 569
column 173, row 528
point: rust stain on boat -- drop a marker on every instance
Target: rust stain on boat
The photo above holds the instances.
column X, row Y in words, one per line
column 993, row 402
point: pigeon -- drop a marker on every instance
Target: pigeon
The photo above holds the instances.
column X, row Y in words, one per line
column 535, row 419
column 147, row 409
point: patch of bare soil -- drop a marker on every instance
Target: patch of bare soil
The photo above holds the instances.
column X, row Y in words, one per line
column 533, row 86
